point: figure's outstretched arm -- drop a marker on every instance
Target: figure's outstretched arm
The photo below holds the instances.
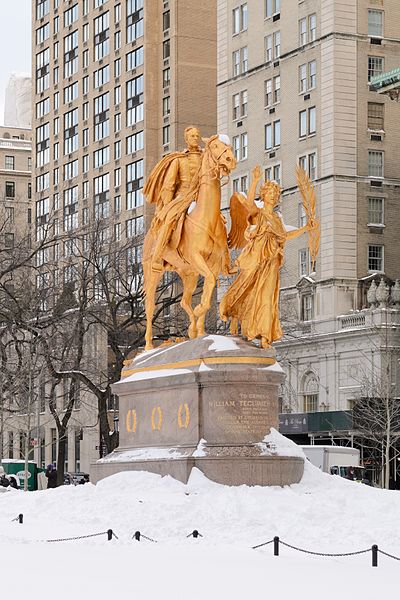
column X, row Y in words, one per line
column 291, row 235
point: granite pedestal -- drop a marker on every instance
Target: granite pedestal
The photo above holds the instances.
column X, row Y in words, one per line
column 205, row 403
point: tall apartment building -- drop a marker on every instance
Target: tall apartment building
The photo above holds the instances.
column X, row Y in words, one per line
column 15, row 184
column 293, row 89
column 115, row 84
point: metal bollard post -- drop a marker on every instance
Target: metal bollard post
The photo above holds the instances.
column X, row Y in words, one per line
column 374, row 555
column 20, row 518
column 137, row 536
column 195, row 533
column 276, row 546
column 109, row 534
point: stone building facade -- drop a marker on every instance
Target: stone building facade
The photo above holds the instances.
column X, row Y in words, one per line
column 293, row 89
column 115, row 83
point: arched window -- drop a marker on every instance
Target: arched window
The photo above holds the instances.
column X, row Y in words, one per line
column 310, row 392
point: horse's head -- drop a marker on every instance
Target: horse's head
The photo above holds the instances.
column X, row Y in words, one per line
column 221, row 154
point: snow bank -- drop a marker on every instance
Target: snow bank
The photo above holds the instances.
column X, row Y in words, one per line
column 322, row 513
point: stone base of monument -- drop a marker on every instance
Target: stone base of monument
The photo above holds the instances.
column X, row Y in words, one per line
column 205, row 403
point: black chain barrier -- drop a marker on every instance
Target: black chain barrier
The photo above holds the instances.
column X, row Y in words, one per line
column 389, row 555
column 138, row 536
column 109, row 533
column 20, row 519
column 194, row 534
column 325, row 553
column 374, row 551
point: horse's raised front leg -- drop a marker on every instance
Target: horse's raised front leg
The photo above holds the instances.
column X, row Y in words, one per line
column 151, row 280
column 189, row 285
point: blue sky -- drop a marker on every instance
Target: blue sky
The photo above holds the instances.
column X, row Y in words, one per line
column 15, row 42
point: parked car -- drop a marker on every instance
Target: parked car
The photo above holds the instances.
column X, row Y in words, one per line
column 75, row 478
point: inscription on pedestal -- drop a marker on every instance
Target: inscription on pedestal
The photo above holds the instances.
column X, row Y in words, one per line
column 245, row 417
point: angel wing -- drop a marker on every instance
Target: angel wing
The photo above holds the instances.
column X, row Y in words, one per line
column 239, row 214
column 309, row 203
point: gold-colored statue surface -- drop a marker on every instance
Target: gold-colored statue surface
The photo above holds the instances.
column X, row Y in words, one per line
column 188, row 235
column 253, row 298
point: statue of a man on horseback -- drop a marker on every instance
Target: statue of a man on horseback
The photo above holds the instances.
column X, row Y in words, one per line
column 191, row 242
column 173, row 186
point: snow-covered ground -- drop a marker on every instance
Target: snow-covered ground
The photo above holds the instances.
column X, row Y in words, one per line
column 322, row 513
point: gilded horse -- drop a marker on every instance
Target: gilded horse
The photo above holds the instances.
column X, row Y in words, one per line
column 202, row 248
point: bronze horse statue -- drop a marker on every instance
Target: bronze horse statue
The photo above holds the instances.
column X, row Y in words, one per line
column 199, row 245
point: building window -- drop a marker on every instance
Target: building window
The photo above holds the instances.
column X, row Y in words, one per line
column 308, row 163
column 272, row 135
column 10, row 189
column 134, row 184
column 166, row 20
column 117, row 95
column 71, row 131
column 307, row 76
column 376, row 65
column 102, row 196
column 134, row 100
column 277, row 89
column 101, row 76
column 166, row 77
column 10, row 215
column 274, row 173
column 272, row 46
column 165, row 135
column 117, row 150
column 134, row 227
column 304, row 262
column 135, row 142
column 42, row 33
column 71, row 208
column 240, row 61
column 307, row 122
column 272, row 7
column 312, row 27
column 9, row 163
column 310, row 403
column 375, row 23
column 71, row 15
column 42, row 108
column 42, row 8
column 117, row 232
column 117, row 68
column 239, row 19
column 240, row 143
column 166, row 48
column 134, row 20
column 134, row 59
column 375, row 211
column 303, row 31
column 71, row 170
column 101, row 116
column 42, row 217
column 70, row 93
column 239, row 105
column 375, row 258
column 101, row 157
column 101, row 36
column 42, row 71
column 376, row 116
column 166, row 103
column 306, row 307
column 71, row 54
column 375, row 163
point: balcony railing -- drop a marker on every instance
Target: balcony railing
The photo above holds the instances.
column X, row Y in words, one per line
column 17, row 144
